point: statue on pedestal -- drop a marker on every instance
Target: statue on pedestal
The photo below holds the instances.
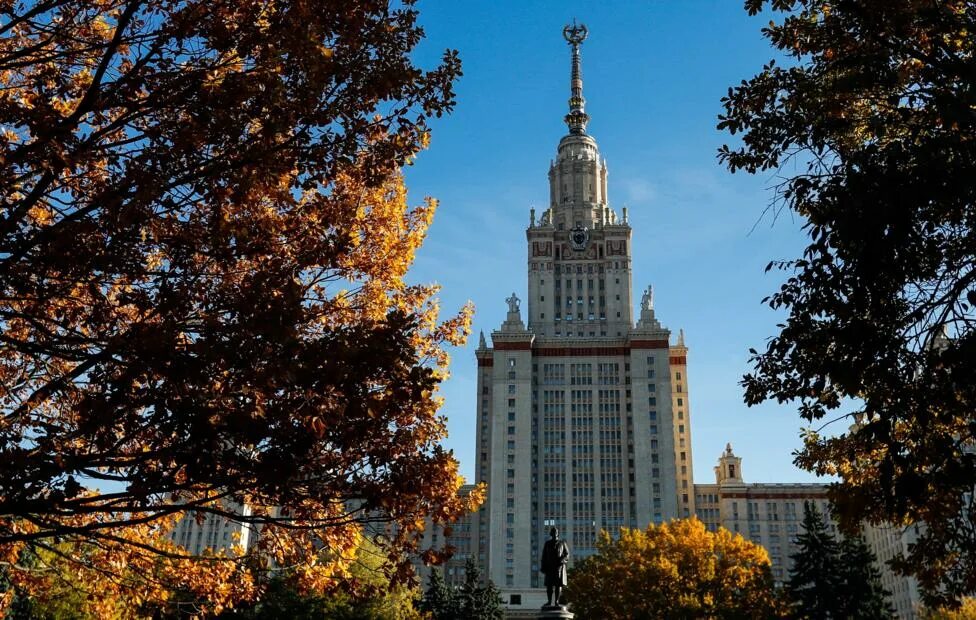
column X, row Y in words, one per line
column 513, row 304
column 555, row 556
column 647, row 300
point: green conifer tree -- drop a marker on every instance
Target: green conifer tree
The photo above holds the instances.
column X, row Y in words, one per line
column 862, row 594
column 439, row 600
column 477, row 601
column 814, row 584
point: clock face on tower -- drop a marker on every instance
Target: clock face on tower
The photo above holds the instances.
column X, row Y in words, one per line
column 578, row 237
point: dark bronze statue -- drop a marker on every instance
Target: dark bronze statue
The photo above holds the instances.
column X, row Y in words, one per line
column 555, row 555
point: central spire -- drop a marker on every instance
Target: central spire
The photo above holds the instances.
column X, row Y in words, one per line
column 577, row 117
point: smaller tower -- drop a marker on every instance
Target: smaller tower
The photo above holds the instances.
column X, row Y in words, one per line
column 729, row 468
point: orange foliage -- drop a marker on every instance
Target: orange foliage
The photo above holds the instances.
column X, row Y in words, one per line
column 675, row 570
column 204, row 234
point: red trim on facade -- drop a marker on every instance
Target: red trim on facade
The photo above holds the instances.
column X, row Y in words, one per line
column 485, row 361
column 648, row 344
column 585, row 351
column 513, row 346
column 579, row 351
column 678, row 360
column 808, row 495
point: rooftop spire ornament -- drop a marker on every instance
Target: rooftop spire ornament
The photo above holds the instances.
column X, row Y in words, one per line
column 577, row 118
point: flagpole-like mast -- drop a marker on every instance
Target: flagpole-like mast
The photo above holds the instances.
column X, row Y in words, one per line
column 577, row 117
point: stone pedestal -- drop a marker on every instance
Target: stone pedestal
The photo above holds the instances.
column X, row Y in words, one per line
column 555, row 613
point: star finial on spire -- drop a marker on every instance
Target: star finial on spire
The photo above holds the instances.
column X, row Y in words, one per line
column 577, row 118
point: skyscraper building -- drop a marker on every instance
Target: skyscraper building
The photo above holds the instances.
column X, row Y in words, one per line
column 583, row 408
column 583, row 404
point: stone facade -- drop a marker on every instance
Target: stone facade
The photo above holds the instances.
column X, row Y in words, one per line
column 887, row 542
column 769, row 514
column 458, row 536
column 214, row 534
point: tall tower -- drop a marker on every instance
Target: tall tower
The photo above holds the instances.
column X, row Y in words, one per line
column 576, row 426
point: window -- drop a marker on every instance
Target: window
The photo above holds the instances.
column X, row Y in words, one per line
column 515, row 599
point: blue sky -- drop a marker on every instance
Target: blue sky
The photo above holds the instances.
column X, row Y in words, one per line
column 654, row 73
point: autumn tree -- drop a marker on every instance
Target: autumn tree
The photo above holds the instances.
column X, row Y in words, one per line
column 966, row 611
column 674, row 570
column 365, row 594
column 203, row 239
column 869, row 125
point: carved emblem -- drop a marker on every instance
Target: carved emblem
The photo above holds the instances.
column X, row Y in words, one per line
column 579, row 237
column 575, row 34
